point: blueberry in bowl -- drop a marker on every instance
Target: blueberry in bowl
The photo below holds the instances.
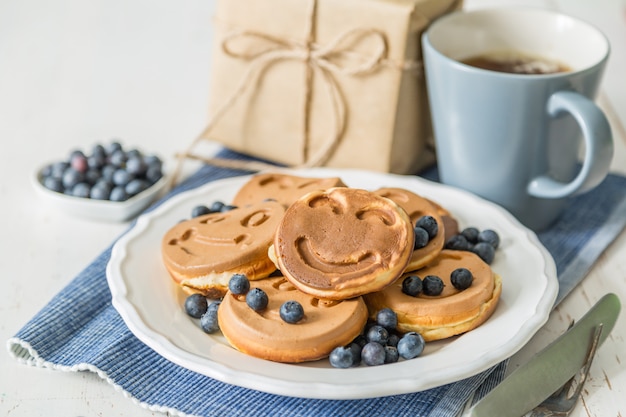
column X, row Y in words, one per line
column 108, row 182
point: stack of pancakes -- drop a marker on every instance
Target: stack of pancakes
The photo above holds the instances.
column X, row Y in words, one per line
column 341, row 252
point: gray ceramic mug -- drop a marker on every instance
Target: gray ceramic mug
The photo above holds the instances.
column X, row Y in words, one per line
column 515, row 139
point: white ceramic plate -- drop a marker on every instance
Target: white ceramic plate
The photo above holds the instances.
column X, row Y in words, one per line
column 102, row 210
column 152, row 306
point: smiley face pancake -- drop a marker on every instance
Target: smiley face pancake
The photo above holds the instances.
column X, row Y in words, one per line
column 326, row 324
column 343, row 242
column 281, row 187
column 453, row 311
column 201, row 254
column 416, row 207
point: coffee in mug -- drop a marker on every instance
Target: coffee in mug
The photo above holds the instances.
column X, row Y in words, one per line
column 514, row 136
column 516, row 63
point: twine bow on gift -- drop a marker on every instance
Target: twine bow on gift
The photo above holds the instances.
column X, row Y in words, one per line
column 263, row 50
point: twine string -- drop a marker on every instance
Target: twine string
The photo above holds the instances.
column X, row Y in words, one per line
column 316, row 60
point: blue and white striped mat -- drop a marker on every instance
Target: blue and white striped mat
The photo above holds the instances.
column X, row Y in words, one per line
column 80, row 330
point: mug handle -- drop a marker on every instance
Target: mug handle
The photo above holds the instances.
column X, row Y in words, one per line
column 598, row 147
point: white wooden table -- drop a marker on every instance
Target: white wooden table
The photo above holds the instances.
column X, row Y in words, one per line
column 75, row 72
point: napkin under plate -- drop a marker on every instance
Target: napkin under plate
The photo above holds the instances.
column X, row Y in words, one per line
column 80, row 330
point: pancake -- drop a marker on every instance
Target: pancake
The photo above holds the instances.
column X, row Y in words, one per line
column 453, row 311
column 416, row 207
column 450, row 224
column 326, row 324
column 342, row 243
column 281, row 187
column 202, row 254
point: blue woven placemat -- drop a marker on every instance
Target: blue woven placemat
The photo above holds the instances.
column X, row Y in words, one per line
column 80, row 330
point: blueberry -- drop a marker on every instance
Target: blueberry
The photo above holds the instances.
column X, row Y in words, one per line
column 82, row 190
column 113, row 147
column 377, row 334
column 421, row 237
column 154, row 173
column 239, row 284
column 393, row 340
column 458, row 242
column 96, row 161
column 98, row 151
column 360, row 340
column 58, row 169
column 387, row 318
column 461, row 278
column 489, row 236
column 433, row 285
column 75, row 152
column 153, row 161
column 136, row 166
column 199, row 211
column 291, row 312
column 412, row 285
column 257, row 299
column 118, row 158
column 136, row 186
column 71, row 177
column 429, row 224
column 104, row 183
column 118, row 194
column 216, row 207
column 78, row 161
column 46, row 171
column 227, row 207
column 121, row 177
column 133, row 153
column 471, row 234
column 485, row 251
column 391, row 354
column 53, row 184
column 107, row 173
column 92, row 176
column 100, row 191
column 208, row 321
column 341, row 357
column 214, row 305
column 355, row 348
column 373, row 354
column 196, row 305
column 411, row 345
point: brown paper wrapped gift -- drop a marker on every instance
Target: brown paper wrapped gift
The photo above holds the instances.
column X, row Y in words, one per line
column 334, row 83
